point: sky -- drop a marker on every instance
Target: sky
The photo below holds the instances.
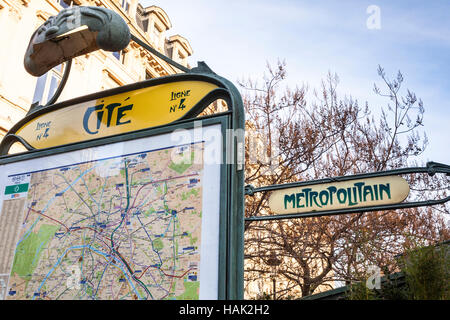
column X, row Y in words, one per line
column 351, row 38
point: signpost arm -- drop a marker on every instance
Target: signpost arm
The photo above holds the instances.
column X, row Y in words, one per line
column 158, row 54
column 431, row 168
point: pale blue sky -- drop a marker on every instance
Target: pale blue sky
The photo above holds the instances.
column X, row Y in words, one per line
column 236, row 38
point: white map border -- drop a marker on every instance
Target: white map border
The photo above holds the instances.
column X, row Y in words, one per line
column 209, row 248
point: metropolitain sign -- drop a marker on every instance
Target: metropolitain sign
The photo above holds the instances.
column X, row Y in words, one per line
column 339, row 195
column 148, row 104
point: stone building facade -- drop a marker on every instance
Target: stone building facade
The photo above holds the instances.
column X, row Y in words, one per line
column 90, row 73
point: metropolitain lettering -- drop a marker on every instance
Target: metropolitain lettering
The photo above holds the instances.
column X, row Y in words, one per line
column 350, row 196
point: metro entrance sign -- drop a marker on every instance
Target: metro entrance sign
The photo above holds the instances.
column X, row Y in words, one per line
column 377, row 191
column 109, row 202
column 340, row 195
column 128, row 108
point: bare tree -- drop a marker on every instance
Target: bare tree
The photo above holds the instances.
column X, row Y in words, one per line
column 310, row 136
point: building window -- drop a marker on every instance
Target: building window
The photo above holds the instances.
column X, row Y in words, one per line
column 125, row 5
column 116, row 55
column 145, row 25
column 109, row 81
column 47, row 84
column 120, row 55
column 66, row 3
column 155, row 35
column 180, row 57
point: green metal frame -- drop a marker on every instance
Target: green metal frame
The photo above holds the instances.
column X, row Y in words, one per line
column 431, row 169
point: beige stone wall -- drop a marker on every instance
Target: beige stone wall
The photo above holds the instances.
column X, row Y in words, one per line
column 90, row 73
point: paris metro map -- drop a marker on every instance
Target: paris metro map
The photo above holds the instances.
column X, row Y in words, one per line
column 122, row 227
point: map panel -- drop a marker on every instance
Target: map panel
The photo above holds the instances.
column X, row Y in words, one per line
column 124, row 227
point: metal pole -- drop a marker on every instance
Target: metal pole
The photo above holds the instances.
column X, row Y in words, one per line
column 274, row 288
column 61, row 84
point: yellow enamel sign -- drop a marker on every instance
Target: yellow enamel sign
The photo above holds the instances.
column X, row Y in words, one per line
column 340, row 195
column 124, row 112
